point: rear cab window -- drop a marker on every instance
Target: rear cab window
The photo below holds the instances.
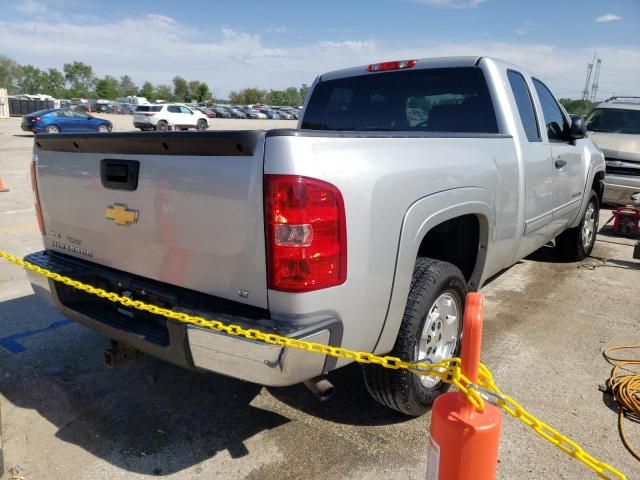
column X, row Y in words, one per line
column 524, row 102
column 427, row 100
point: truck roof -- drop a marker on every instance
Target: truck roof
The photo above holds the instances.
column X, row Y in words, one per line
column 434, row 62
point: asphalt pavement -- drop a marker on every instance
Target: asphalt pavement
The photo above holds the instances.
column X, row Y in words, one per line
column 66, row 416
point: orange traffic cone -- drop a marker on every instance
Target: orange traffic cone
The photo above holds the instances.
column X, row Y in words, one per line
column 463, row 443
column 2, row 187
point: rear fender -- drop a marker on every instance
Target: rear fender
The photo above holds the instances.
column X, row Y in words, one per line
column 419, row 219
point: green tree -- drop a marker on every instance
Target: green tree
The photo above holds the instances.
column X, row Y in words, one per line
column 108, row 88
column 248, row 96
column 304, row 90
column 194, row 85
column 9, row 73
column 577, row 107
column 147, row 91
column 293, row 96
column 127, row 86
column 80, row 77
column 163, row 92
column 31, row 80
column 54, row 83
column 180, row 89
column 202, row 93
column 277, row 98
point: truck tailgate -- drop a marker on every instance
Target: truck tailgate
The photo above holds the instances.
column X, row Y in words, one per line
column 195, row 218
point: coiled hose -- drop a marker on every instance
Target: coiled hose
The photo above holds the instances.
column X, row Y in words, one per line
column 624, row 384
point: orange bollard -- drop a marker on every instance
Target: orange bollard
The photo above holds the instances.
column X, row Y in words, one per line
column 463, row 444
column 2, row 187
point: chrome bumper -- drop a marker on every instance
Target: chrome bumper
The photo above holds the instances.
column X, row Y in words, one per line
column 202, row 349
column 619, row 188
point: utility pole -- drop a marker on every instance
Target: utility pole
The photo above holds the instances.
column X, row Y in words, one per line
column 596, row 77
column 585, row 92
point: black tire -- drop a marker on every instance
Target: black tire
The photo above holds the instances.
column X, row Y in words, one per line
column 202, row 125
column 52, row 129
column 402, row 390
column 162, row 126
column 572, row 244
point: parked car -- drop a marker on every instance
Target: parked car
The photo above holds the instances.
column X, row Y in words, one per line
column 614, row 126
column 285, row 115
column 236, row 112
column 363, row 229
column 208, row 112
column 168, row 115
column 270, row 114
column 64, row 120
column 221, row 112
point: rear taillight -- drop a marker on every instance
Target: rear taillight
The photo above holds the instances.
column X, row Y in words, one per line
column 148, row 114
column 395, row 65
column 306, row 234
column 34, row 186
column 35, row 119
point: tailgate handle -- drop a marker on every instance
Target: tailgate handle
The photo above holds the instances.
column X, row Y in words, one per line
column 119, row 174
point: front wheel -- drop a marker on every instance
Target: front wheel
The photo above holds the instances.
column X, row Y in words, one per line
column 577, row 243
column 430, row 332
column 103, row 129
column 202, row 125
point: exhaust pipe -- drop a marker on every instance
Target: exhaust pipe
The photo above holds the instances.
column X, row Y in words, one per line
column 321, row 388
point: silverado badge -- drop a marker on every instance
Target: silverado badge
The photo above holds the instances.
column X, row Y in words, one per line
column 121, row 214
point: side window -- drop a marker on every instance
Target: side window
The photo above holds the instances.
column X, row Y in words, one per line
column 173, row 109
column 525, row 105
column 553, row 117
column 185, row 110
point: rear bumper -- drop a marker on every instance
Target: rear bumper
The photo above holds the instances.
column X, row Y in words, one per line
column 619, row 188
column 143, row 125
column 187, row 346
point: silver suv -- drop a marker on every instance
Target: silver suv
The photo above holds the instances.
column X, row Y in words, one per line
column 614, row 126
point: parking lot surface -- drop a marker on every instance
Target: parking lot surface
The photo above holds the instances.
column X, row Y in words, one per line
column 65, row 416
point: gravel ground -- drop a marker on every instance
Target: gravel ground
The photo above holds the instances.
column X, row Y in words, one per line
column 65, row 416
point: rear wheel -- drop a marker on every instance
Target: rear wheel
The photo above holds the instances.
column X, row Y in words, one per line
column 430, row 332
column 162, row 126
column 52, row 129
column 577, row 243
column 202, row 125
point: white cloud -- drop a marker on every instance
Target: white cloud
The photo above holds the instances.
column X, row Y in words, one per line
column 30, row 7
column 277, row 29
column 452, row 3
column 157, row 48
column 609, row 17
column 521, row 31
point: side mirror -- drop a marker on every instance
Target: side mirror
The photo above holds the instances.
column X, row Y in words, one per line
column 578, row 128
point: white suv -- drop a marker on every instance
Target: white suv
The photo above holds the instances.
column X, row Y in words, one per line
column 168, row 116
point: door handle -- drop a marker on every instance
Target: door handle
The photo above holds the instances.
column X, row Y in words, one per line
column 560, row 163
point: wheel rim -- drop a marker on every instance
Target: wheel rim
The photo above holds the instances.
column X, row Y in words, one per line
column 162, row 127
column 103, row 128
column 439, row 337
column 52, row 130
column 202, row 126
column 588, row 226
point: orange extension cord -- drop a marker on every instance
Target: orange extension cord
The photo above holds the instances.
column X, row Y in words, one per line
column 624, row 384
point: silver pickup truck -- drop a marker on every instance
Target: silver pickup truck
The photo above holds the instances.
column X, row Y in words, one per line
column 405, row 185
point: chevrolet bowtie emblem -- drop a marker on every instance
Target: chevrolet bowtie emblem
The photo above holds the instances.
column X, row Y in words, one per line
column 121, row 214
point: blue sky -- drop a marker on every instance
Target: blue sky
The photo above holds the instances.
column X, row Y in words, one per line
column 234, row 44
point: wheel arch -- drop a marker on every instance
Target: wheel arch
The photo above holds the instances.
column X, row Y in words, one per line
column 464, row 206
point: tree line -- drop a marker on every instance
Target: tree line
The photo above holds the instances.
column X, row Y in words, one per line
column 78, row 80
column 577, row 107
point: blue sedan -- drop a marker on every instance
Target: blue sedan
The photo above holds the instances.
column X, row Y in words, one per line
column 64, row 120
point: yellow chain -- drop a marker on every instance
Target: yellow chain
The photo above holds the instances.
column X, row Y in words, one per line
column 447, row 370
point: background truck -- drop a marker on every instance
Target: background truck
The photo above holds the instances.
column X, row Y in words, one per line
column 406, row 185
